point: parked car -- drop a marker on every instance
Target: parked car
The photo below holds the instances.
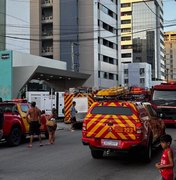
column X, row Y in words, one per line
column 15, row 125
column 122, row 126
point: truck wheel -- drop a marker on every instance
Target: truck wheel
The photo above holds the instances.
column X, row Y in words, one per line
column 97, row 154
column 14, row 138
column 148, row 152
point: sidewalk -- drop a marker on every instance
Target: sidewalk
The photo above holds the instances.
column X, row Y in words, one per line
column 63, row 126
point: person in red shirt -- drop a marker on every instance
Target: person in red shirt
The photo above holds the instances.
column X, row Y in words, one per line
column 167, row 159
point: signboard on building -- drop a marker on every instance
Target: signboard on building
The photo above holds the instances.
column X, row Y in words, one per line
column 6, row 75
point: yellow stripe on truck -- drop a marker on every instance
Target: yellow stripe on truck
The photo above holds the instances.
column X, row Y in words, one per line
column 99, row 123
column 122, row 136
column 110, row 135
column 102, row 131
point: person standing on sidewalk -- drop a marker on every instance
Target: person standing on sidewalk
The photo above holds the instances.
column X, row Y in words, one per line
column 73, row 112
column 33, row 117
column 52, row 126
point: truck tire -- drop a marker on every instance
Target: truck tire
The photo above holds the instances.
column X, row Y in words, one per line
column 14, row 138
column 147, row 156
column 97, row 154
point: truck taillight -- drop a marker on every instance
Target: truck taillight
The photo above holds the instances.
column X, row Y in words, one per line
column 139, row 128
column 84, row 127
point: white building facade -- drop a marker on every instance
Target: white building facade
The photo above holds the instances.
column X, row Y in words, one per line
column 137, row 74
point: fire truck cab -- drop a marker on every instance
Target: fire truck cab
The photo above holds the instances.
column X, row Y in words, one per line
column 164, row 101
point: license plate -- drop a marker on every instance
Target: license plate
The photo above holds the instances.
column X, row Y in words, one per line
column 112, row 143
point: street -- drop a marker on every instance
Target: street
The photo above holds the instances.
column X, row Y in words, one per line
column 68, row 159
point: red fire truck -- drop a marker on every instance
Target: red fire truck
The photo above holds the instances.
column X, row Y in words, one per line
column 138, row 94
column 164, row 101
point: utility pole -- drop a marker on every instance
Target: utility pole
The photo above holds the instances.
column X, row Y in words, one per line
column 72, row 56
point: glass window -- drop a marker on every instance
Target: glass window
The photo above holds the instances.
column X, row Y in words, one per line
column 112, row 110
column 24, row 107
column 125, row 5
column 125, row 71
column 111, row 76
column 164, row 95
column 126, row 55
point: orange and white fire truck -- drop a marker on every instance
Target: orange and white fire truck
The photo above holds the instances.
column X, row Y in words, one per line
column 83, row 97
column 116, row 125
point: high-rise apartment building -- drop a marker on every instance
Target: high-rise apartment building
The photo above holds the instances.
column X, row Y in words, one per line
column 82, row 33
column 170, row 55
column 142, row 37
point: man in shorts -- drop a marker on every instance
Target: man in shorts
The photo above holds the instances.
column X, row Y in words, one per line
column 33, row 117
column 73, row 112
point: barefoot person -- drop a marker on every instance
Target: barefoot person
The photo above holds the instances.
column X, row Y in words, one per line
column 33, row 117
column 52, row 126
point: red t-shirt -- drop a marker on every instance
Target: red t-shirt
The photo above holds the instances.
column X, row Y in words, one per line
column 166, row 173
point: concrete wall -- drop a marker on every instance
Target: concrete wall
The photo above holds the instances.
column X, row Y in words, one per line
column 35, row 27
column 22, row 59
column 86, row 48
column 56, row 29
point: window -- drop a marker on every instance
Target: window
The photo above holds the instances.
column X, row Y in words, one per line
column 125, row 81
column 126, row 13
column 142, row 80
column 111, row 76
column 105, row 75
column 151, row 111
column 126, row 30
column 126, row 38
column 99, row 74
column 111, row 60
column 127, row 55
column 24, row 107
column 127, row 47
column 125, row 5
column 126, row 22
column 141, row 71
column 125, row 71
column 112, row 110
column 105, row 58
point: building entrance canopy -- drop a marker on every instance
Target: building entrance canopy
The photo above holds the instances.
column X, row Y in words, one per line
column 25, row 67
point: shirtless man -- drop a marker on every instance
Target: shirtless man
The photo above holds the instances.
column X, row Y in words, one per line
column 33, row 117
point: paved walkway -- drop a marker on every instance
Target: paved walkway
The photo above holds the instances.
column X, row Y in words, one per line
column 63, row 126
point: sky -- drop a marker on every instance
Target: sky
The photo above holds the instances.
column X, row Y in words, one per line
column 170, row 14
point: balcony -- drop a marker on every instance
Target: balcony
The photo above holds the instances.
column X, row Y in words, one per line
column 47, row 35
column 47, row 19
column 47, row 51
column 47, row 3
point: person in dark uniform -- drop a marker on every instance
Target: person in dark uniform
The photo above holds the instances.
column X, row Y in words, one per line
column 1, row 122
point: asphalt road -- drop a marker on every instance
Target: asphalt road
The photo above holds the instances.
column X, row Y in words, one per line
column 68, row 159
